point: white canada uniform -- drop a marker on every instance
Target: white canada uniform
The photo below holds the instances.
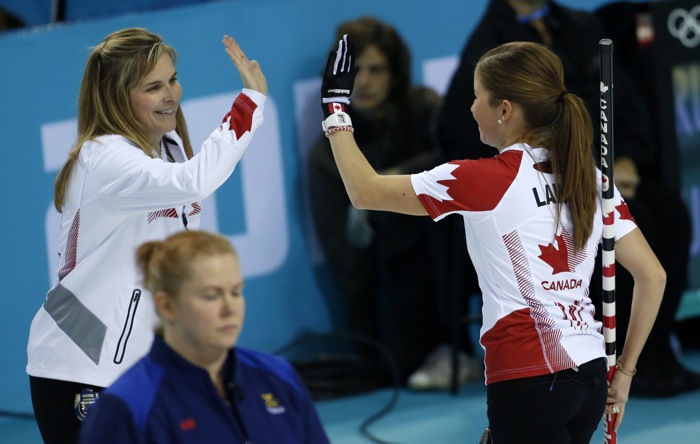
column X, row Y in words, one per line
column 98, row 320
column 537, row 314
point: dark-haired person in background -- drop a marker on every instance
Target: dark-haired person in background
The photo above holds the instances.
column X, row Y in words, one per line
column 386, row 278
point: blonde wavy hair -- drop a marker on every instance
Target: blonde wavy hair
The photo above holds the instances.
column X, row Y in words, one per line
column 113, row 69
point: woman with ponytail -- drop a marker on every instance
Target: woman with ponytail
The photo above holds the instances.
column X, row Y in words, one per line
column 533, row 222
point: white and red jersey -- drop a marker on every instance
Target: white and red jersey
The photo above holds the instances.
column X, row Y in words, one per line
column 537, row 314
column 98, row 319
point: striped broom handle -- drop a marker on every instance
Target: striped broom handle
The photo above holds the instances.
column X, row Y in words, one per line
column 608, row 251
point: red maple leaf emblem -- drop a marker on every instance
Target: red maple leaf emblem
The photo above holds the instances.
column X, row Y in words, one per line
column 624, row 211
column 557, row 258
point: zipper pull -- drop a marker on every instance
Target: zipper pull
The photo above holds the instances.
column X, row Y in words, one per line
column 184, row 216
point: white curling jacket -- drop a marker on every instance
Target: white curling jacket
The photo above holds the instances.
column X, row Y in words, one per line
column 98, row 320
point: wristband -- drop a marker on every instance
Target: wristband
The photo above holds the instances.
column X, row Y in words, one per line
column 623, row 370
column 336, row 120
column 336, row 129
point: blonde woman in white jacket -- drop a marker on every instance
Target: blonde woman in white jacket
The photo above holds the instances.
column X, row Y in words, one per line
column 130, row 178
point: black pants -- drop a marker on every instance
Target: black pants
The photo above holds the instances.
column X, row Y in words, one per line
column 561, row 408
column 53, row 402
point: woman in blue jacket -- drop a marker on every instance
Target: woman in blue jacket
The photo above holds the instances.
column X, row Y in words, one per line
column 195, row 385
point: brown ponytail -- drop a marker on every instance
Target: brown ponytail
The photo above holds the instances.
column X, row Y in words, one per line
column 531, row 75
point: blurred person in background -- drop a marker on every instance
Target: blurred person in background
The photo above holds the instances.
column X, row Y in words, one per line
column 387, row 281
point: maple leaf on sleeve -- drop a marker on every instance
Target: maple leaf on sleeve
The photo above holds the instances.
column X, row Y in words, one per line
column 624, row 211
column 434, row 187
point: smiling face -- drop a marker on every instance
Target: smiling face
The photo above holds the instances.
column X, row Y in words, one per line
column 155, row 99
column 486, row 115
column 373, row 80
column 205, row 319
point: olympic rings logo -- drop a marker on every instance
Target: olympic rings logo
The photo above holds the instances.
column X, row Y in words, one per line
column 685, row 26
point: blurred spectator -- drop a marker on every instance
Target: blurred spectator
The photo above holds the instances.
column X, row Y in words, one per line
column 379, row 258
column 561, row 29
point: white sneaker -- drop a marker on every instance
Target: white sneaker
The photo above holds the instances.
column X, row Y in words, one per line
column 436, row 371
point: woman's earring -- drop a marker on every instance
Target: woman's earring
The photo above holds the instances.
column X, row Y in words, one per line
column 500, row 122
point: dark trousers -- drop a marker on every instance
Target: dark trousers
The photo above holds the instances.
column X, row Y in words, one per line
column 561, row 408
column 53, row 402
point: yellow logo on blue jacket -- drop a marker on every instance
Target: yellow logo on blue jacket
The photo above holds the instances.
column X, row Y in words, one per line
column 272, row 404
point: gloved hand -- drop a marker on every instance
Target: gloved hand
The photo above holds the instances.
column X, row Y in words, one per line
column 338, row 79
column 358, row 229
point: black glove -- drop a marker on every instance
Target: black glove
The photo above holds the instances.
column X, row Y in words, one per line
column 338, row 79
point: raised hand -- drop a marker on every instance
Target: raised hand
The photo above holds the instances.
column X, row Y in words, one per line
column 338, row 78
column 251, row 74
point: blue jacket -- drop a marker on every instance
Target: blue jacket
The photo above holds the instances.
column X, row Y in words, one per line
column 165, row 399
